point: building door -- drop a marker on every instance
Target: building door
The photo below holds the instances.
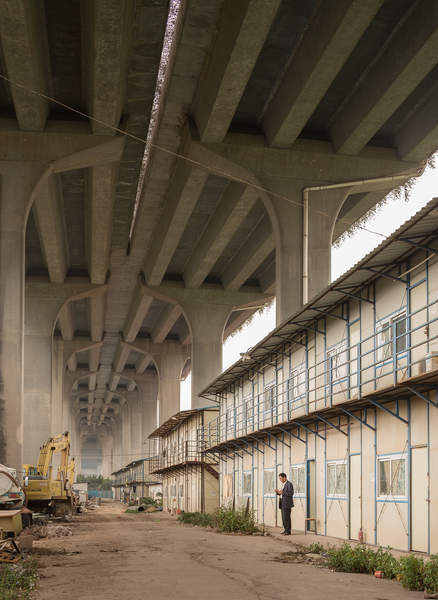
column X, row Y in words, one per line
column 311, row 495
column 355, row 496
column 419, row 500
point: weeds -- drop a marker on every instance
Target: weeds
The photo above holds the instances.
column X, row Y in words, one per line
column 431, row 575
column 315, row 548
column 224, row 519
column 411, row 572
column 18, row 581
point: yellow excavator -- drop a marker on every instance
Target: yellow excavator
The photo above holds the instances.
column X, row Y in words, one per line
column 46, row 490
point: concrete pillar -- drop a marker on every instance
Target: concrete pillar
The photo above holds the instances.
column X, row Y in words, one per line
column 125, row 453
column 136, row 418
column 207, row 324
column 170, row 362
column 323, row 209
column 149, row 394
column 16, row 184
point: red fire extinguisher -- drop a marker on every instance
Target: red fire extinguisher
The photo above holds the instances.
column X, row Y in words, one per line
column 360, row 536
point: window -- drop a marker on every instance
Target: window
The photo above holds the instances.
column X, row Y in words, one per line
column 247, row 483
column 337, row 363
column 392, row 476
column 247, row 413
column 268, row 398
column 268, row 482
column 181, row 490
column 387, row 329
column 337, row 479
column 298, row 480
column 296, row 385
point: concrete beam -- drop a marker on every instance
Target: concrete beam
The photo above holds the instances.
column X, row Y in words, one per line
column 97, row 316
column 72, row 363
column 259, row 245
column 405, row 62
column 136, row 315
column 93, row 357
column 107, row 35
column 65, row 321
column 238, row 321
column 48, row 212
column 328, row 42
column 184, row 190
column 101, row 186
column 121, row 357
column 165, row 323
column 418, row 138
column 242, row 31
column 235, row 205
column 355, row 208
column 142, row 363
column 25, row 51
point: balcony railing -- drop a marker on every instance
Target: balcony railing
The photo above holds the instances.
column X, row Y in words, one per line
column 181, row 453
column 403, row 347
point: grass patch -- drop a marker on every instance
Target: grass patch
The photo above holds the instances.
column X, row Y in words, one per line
column 223, row 519
column 17, row 582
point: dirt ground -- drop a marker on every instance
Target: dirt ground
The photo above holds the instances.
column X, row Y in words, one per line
column 115, row 555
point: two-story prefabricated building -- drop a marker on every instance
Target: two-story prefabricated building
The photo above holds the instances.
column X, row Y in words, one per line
column 343, row 397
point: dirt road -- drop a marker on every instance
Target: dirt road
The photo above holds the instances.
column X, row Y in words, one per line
column 115, row 555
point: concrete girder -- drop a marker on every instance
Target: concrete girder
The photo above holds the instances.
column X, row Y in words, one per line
column 258, row 247
column 136, row 315
column 267, row 281
column 97, row 316
column 64, row 145
column 185, row 187
column 235, row 205
column 242, row 31
column 326, row 45
column 49, row 219
column 390, row 80
column 419, row 137
column 121, row 357
column 101, row 187
column 25, row 49
column 167, row 320
column 142, row 363
column 242, row 317
column 106, row 39
column 94, row 356
column 65, row 320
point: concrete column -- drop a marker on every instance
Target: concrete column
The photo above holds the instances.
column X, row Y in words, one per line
column 43, row 375
column 323, row 209
column 16, row 184
column 125, row 413
column 207, row 324
column 136, row 418
column 149, row 394
column 170, row 362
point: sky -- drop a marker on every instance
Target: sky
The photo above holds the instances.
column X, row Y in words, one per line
column 388, row 218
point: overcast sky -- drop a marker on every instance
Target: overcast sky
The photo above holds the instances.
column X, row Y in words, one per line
column 388, row 219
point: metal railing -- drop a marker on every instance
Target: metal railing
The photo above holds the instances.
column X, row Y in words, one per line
column 188, row 451
column 384, row 358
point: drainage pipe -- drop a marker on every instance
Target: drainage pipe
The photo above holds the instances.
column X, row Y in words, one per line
column 332, row 186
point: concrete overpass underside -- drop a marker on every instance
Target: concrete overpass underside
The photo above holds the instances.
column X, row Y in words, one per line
column 278, row 124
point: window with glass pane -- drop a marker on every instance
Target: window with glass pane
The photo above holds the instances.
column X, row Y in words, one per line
column 392, row 477
column 400, row 333
column 296, row 385
column 247, row 483
column 268, row 482
column 268, row 398
column 336, row 362
column 337, row 479
column 298, row 480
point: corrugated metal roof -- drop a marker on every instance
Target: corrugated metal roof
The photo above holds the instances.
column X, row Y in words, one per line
column 395, row 249
column 176, row 420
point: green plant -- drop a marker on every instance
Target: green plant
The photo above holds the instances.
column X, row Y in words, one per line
column 95, row 482
column 196, row 518
column 384, row 561
column 18, row 581
column 316, row 548
column 431, row 575
column 357, row 559
column 234, row 520
column 411, row 572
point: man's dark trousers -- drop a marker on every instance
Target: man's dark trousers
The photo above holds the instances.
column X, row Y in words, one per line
column 287, row 502
column 285, row 515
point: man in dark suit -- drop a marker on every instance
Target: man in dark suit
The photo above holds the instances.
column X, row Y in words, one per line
column 286, row 502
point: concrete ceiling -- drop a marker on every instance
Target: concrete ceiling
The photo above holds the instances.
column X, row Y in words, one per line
column 283, row 69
